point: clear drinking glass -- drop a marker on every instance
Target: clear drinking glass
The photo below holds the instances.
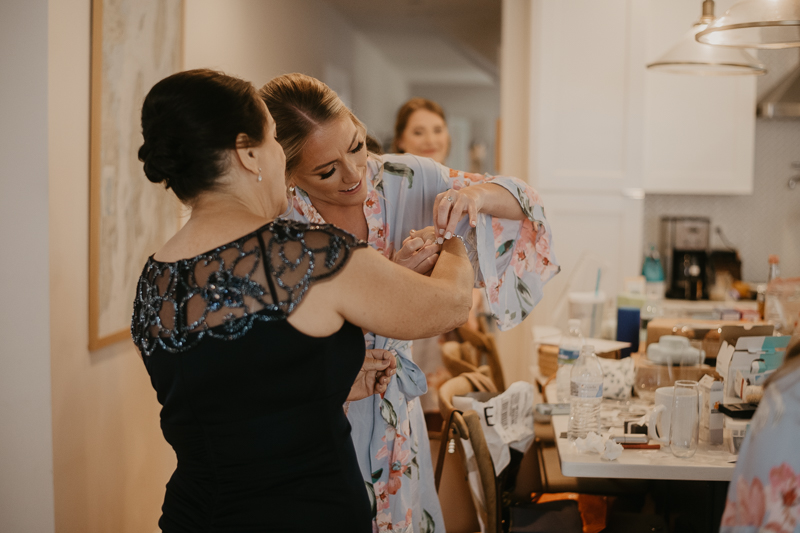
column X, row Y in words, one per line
column 684, row 426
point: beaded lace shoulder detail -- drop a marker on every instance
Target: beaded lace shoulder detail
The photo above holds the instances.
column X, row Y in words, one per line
column 222, row 293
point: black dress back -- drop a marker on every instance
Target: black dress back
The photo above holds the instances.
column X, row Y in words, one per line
column 252, row 406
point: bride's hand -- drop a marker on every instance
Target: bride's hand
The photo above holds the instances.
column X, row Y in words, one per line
column 373, row 378
column 419, row 252
column 451, row 206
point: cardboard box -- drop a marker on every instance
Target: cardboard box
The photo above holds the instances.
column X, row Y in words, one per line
column 739, row 350
column 702, row 334
column 548, row 352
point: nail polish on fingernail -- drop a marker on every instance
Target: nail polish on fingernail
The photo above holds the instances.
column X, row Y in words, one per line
column 473, row 223
column 439, row 241
column 441, row 231
column 448, row 235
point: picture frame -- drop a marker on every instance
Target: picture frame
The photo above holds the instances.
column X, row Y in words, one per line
column 135, row 43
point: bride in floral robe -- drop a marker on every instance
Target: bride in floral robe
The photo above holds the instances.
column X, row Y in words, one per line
column 382, row 199
column 512, row 259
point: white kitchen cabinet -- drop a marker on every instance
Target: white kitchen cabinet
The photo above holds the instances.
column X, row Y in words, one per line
column 600, row 121
column 584, row 122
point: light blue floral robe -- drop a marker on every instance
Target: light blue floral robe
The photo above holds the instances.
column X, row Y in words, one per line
column 764, row 494
column 512, row 260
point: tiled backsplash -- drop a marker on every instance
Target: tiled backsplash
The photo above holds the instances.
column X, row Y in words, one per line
column 766, row 222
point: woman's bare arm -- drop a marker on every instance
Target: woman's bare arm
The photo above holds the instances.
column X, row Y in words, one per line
column 388, row 299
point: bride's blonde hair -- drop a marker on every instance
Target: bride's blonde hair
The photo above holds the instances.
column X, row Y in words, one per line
column 300, row 104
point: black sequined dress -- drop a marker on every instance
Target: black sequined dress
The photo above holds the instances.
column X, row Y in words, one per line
column 252, row 406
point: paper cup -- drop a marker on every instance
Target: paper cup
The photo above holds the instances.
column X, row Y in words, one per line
column 588, row 308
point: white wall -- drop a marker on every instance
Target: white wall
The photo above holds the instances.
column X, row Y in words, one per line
column 26, row 438
column 260, row 39
column 380, row 90
column 110, row 460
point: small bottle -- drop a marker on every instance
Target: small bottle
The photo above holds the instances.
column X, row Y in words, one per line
column 586, row 394
column 774, row 268
column 568, row 351
column 653, row 274
column 772, row 308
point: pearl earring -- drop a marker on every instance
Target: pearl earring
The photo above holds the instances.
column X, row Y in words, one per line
column 259, row 174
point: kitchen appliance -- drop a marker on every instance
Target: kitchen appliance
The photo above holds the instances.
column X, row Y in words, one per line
column 684, row 244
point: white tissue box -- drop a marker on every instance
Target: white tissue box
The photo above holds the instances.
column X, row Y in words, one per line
column 733, row 433
column 710, row 417
column 711, row 436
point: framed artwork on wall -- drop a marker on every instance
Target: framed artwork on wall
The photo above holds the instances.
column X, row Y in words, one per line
column 135, row 43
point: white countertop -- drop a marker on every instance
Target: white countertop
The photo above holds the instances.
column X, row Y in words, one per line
column 710, row 463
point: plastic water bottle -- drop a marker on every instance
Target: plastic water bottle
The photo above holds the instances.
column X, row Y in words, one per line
column 586, row 394
column 568, row 351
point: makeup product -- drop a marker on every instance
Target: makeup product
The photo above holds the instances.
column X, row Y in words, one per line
column 630, row 439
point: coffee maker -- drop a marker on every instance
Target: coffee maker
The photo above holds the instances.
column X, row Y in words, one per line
column 684, row 245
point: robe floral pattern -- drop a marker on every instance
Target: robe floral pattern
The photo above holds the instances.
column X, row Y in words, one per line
column 512, row 259
column 764, row 494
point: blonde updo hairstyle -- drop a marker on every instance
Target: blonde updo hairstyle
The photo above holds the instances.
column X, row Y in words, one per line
column 404, row 114
column 300, row 104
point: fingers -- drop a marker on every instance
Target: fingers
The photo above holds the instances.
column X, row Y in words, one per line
column 460, row 206
column 377, row 353
column 414, row 252
column 441, row 215
column 374, row 365
column 436, row 204
column 385, row 358
column 427, row 233
column 427, row 265
column 410, row 247
column 423, row 257
column 472, row 211
column 393, row 364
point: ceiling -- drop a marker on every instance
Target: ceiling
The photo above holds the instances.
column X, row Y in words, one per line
column 432, row 41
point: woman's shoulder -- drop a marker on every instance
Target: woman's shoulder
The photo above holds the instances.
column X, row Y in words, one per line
column 261, row 276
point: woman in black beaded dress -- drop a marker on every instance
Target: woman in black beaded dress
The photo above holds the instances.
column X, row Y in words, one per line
column 250, row 327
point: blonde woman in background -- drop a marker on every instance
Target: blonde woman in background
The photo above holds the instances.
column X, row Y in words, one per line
column 385, row 200
column 421, row 129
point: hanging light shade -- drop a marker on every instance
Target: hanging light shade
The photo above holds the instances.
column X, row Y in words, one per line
column 691, row 57
column 768, row 24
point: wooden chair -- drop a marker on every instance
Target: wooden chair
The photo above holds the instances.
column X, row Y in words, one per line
column 466, row 426
column 485, row 344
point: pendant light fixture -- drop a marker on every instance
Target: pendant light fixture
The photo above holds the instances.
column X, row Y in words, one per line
column 692, row 57
column 756, row 24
